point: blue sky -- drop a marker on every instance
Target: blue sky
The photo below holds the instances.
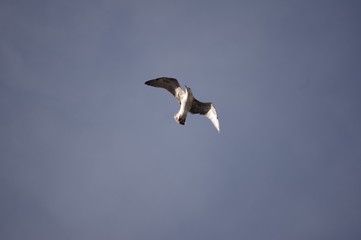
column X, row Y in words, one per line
column 87, row 151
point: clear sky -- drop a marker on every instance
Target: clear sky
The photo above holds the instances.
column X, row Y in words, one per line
column 87, row 151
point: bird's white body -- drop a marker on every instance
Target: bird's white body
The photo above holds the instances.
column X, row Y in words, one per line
column 186, row 101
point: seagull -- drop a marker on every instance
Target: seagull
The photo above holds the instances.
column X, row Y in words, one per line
column 186, row 100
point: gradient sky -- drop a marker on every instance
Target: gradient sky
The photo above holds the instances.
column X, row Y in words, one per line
column 87, row 151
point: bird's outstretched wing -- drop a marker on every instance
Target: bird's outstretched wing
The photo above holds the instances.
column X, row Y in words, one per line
column 206, row 109
column 170, row 84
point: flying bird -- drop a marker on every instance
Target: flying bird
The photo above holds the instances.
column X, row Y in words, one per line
column 186, row 100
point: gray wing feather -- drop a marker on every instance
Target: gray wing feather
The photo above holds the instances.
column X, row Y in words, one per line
column 206, row 109
column 169, row 84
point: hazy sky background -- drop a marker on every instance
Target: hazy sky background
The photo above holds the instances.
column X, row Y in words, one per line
column 87, row 151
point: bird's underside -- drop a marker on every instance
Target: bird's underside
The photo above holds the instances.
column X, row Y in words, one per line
column 186, row 100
